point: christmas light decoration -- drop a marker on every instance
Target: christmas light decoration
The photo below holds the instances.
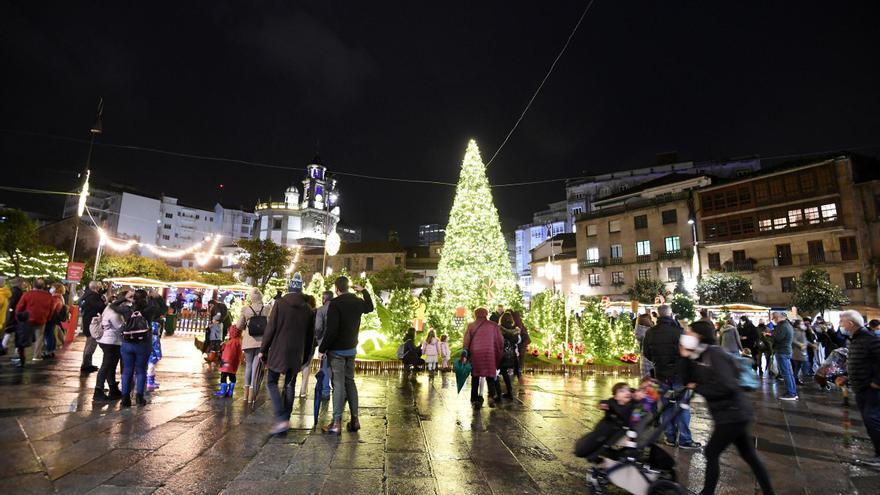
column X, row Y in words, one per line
column 333, row 243
column 474, row 268
column 45, row 264
column 126, row 245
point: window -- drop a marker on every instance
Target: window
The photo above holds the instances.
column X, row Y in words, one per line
column 616, row 278
column 670, row 216
column 811, row 215
column 167, row 226
column 824, row 178
column 780, row 222
column 739, row 256
column 761, row 193
column 369, row 266
column 276, row 224
column 787, row 284
column 795, row 218
column 776, row 187
column 592, row 254
column 783, row 254
column 714, row 261
column 817, row 251
column 673, row 244
column 573, row 269
column 594, row 279
column 644, row 273
column 641, row 221
column 397, row 260
column 808, row 182
column 852, row 280
column 614, row 226
column 169, row 215
column 643, row 248
column 765, row 224
column 540, row 271
column 708, row 204
column 319, row 265
column 673, row 274
column 829, row 212
column 848, row 249
column 745, row 196
column 616, row 251
column 197, row 217
column 576, row 211
column 348, row 264
column 591, row 230
column 166, row 237
column 245, row 229
column 791, row 184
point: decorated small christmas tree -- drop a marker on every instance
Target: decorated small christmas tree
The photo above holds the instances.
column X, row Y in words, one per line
column 596, row 331
column 474, row 267
column 273, row 286
column 316, row 287
column 370, row 321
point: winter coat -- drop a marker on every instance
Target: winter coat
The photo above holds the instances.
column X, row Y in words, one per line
column 321, row 322
column 5, row 294
column 112, row 322
column 863, row 360
column 483, row 345
column 230, row 356
column 799, row 345
column 14, row 297
column 749, row 335
column 431, row 348
column 444, row 350
column 91, row 305
column 412, row 354
column 511, row 341
column 523, row 331
column 783, row 334
column 38, row 304
column 248, row 312
column 24, row 333
column 715, row 372
column 661, row 348
column 344, row 321
column 289, row 334
column 730, row 339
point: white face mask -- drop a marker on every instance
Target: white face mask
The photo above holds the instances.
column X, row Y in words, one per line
column 689, row 342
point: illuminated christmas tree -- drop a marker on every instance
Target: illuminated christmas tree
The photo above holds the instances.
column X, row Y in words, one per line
column 474, row 268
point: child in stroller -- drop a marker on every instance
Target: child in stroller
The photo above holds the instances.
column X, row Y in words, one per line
column 621, row 448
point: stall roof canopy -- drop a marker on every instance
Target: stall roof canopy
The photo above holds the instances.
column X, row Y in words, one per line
column 236, row 287
column 737, row 307
column 136, row 281
column 191, row 284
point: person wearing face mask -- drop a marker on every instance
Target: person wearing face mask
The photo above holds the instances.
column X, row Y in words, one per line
column 711, row 372
column 863, row 375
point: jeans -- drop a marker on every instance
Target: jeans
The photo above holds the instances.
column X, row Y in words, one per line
column 282, row 402
column 38, row 331
column 249, row 356
column 107, row 372
column 134, row 362
column 344, row 388
column 680, row 428
column 798, row 369
column 739, row 435
column 868, row 401
column 784, row 363
column 49, row 334
column 89, row 351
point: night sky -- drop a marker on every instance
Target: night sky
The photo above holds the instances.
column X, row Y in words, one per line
column 396, row 89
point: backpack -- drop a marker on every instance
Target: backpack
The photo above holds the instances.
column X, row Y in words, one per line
column 746, row 376
column 136, row 329
column 257, row 324
column 401, row 352
column 508, row 356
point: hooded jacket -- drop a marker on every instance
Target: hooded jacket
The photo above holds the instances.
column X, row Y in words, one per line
column 863, row 360
column 483, row 344
column 230, row 358
column 289, row 334
column 715, row 372
column 730, row 339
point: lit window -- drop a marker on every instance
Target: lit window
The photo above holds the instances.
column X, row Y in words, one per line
column 617, row 278
column 765, row 224
column 644, row 273
column 812, row 215
column 593, row 254
column 795, row 218
column 829, row 212
column 780, row 223
column 673, row 273
column 852, row 280
column 573, row 269
column 643, row 248
column 616, row 251
column 673, row 244
column 594, row 279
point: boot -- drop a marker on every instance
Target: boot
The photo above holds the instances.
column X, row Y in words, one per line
column 247, row 394
column 230, row 389
column 335, row 427
column 126, row 401
column 222, row 391
column 100, row 396
column 354, row 424
column 139, row 399
column 151, row 383
column 115, row 393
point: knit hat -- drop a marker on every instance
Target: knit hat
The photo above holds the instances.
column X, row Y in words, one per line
column 705, row 330
column 296, row 283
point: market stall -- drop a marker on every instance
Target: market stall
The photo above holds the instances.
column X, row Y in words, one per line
column 189, row 299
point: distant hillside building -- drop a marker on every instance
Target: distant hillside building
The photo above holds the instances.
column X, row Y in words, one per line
column 355, row 257
column 431, row 233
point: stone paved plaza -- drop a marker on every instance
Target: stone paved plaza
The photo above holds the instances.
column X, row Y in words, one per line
column 418, row 437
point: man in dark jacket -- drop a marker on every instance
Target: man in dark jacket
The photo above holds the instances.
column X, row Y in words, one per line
column 661, row 348
column 14, row 297
column 289, row 333
column 340, row 344
column 863, row 374
column 783, row 334
column 91, row 305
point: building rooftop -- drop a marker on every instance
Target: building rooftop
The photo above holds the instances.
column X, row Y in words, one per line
column 361, row 248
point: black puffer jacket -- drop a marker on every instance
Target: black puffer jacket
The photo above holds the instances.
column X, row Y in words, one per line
column 661, row 348
column 863, row 360
column 715, row 374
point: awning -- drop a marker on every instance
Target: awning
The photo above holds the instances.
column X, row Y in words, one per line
column 136, row 281
column 236, row 288
column 737, row 307
column 191, row 284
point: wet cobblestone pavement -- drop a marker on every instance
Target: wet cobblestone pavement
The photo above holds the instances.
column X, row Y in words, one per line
column 418, row 437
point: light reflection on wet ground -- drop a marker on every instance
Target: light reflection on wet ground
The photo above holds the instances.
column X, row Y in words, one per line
column 419, row 436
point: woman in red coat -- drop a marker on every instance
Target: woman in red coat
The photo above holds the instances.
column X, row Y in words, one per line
column 483, row 345
column 230, row 358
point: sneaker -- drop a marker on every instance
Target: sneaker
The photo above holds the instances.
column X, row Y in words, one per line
column 690, row 445
column 789, row 397
column 36, row 359
column 669, row 443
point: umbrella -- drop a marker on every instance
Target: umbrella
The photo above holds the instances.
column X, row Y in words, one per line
column 257, row 380
column 319, row 389
column 462, row 371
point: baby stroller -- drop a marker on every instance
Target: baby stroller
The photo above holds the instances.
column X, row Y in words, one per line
column 625, row 459
column 833, row 367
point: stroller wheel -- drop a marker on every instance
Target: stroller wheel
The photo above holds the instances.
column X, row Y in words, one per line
column 665, row 487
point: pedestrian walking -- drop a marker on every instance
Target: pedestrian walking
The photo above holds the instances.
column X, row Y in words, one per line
column 799, row 352
column 509, row 352
column 340, row 344
column 230, row 358
column 308, row 353
column 483, row 345
column 91, row 305
column 10, row 321
column 290, row 331
column 60, row 314
column 38, row 304
column 320, row 327
column 431, row 349
column 711, row 372
column 444, row 352
column 863, row 375
column 783, row 334
column 253, row 320
column 730, row 338
column 108, row 334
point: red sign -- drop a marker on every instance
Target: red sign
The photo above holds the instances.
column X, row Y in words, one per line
column 75, row 271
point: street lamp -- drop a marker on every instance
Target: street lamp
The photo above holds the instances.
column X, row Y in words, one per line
column 95, row 130
column 329, row 201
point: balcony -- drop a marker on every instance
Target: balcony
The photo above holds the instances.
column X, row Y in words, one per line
column 616, row 261
column 739, row 266
column 674, row 255
column 643, row 258
column 586, row 263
